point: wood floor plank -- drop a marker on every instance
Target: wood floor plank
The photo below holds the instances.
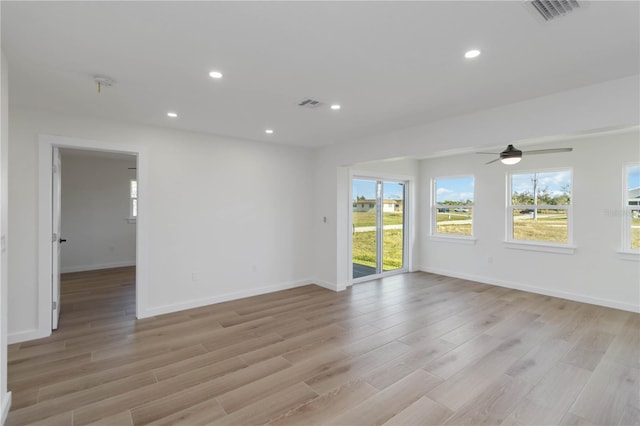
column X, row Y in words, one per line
column 120, row 419
column 269, row 408
column 610, row 389
column 589, row 350
column 462, row 356
column 550, row 399
column 383, row 406
column 422, row 412
column 97, row 394
column 406, row 364
column 188, row 389
column 494, row 405
column 413, row 348
column 471, row 381
column 90, row 380
column 329, row 405
column 539, row 360
column 203, row 413
column 354, row 368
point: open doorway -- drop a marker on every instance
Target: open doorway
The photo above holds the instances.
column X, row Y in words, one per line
column 96, row 247
column 50, row 234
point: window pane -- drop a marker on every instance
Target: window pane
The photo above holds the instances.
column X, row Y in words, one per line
column 134, row 189
column 393, row 225
column 364, row 214
column 635, row 230
column 454, row 190
column 457, row 220
column 633, row 185
column 454, row 205
column 551, row 188
column 134, row 208
column 540, row 225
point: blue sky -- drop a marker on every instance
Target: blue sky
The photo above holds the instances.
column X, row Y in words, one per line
column 367, row 188
column 454, row 189
column 553, row 182
column 633, row 178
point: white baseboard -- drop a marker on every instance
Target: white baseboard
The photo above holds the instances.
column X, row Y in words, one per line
column 196, row 303
column 82, row 268
column 539, row 290
column 328, row 285
column 6, row 405
column 23, row 336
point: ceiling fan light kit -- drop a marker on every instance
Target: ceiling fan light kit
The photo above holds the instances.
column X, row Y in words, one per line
column 513, row 155
column 510, row 156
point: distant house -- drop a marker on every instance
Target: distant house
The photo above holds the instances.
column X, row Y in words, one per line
column 388, row 206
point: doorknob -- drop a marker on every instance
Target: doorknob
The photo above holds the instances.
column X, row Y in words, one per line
column 63, row 240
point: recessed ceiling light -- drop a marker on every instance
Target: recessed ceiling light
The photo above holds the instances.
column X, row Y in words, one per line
column 269, row 131
column 335, row 107
column 172, row 114
column 215, row 74
column 470, row 54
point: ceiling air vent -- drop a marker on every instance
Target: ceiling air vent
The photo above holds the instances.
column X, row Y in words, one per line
column 554, row 9
column 309, row 103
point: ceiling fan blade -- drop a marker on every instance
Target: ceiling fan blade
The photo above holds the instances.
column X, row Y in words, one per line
column 548, row 151
column 493, row 161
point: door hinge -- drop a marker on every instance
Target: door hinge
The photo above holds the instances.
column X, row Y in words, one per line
column 54, row 237
column 54, row 305
column 54, row 168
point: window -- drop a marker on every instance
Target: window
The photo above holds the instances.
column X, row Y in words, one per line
column 540, row 207
column 452, row 207
column 631, row 221
column 133, row 199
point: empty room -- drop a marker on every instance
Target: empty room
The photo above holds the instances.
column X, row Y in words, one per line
column 320, row 212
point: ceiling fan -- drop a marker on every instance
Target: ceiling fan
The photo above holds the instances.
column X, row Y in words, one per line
column 513, row 155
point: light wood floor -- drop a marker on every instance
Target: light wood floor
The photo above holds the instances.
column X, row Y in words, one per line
column 410, row 349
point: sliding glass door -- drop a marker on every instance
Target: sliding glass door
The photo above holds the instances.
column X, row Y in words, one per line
column 378, row 237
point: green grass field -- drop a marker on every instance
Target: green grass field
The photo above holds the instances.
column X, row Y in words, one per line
column 635, row 233
column 551, row 226
column 364, row 243
column 364, row 249
column 369, row 218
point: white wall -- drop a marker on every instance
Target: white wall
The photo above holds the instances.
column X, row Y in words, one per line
column 95, row 208
column 595, row 273
column 232, row 212
column 610, row 104
column 5, row 397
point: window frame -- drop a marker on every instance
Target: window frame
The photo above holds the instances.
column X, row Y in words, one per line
column 434, row 234
column 627, row 211
column 538, row 245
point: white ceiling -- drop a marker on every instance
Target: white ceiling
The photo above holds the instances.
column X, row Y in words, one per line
column 390, row 64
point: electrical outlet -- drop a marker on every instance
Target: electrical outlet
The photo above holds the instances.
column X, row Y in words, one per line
column 489, row 260
column 195, row 277
column 254, row 268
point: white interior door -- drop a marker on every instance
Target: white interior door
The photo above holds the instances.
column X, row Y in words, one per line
column 56, row 239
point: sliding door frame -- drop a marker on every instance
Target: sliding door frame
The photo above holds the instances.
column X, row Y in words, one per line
column 407, row 225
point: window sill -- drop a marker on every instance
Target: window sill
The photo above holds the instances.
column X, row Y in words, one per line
column 131, row 220
column 631, row 255
column 452, row 239
column 547, row 248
